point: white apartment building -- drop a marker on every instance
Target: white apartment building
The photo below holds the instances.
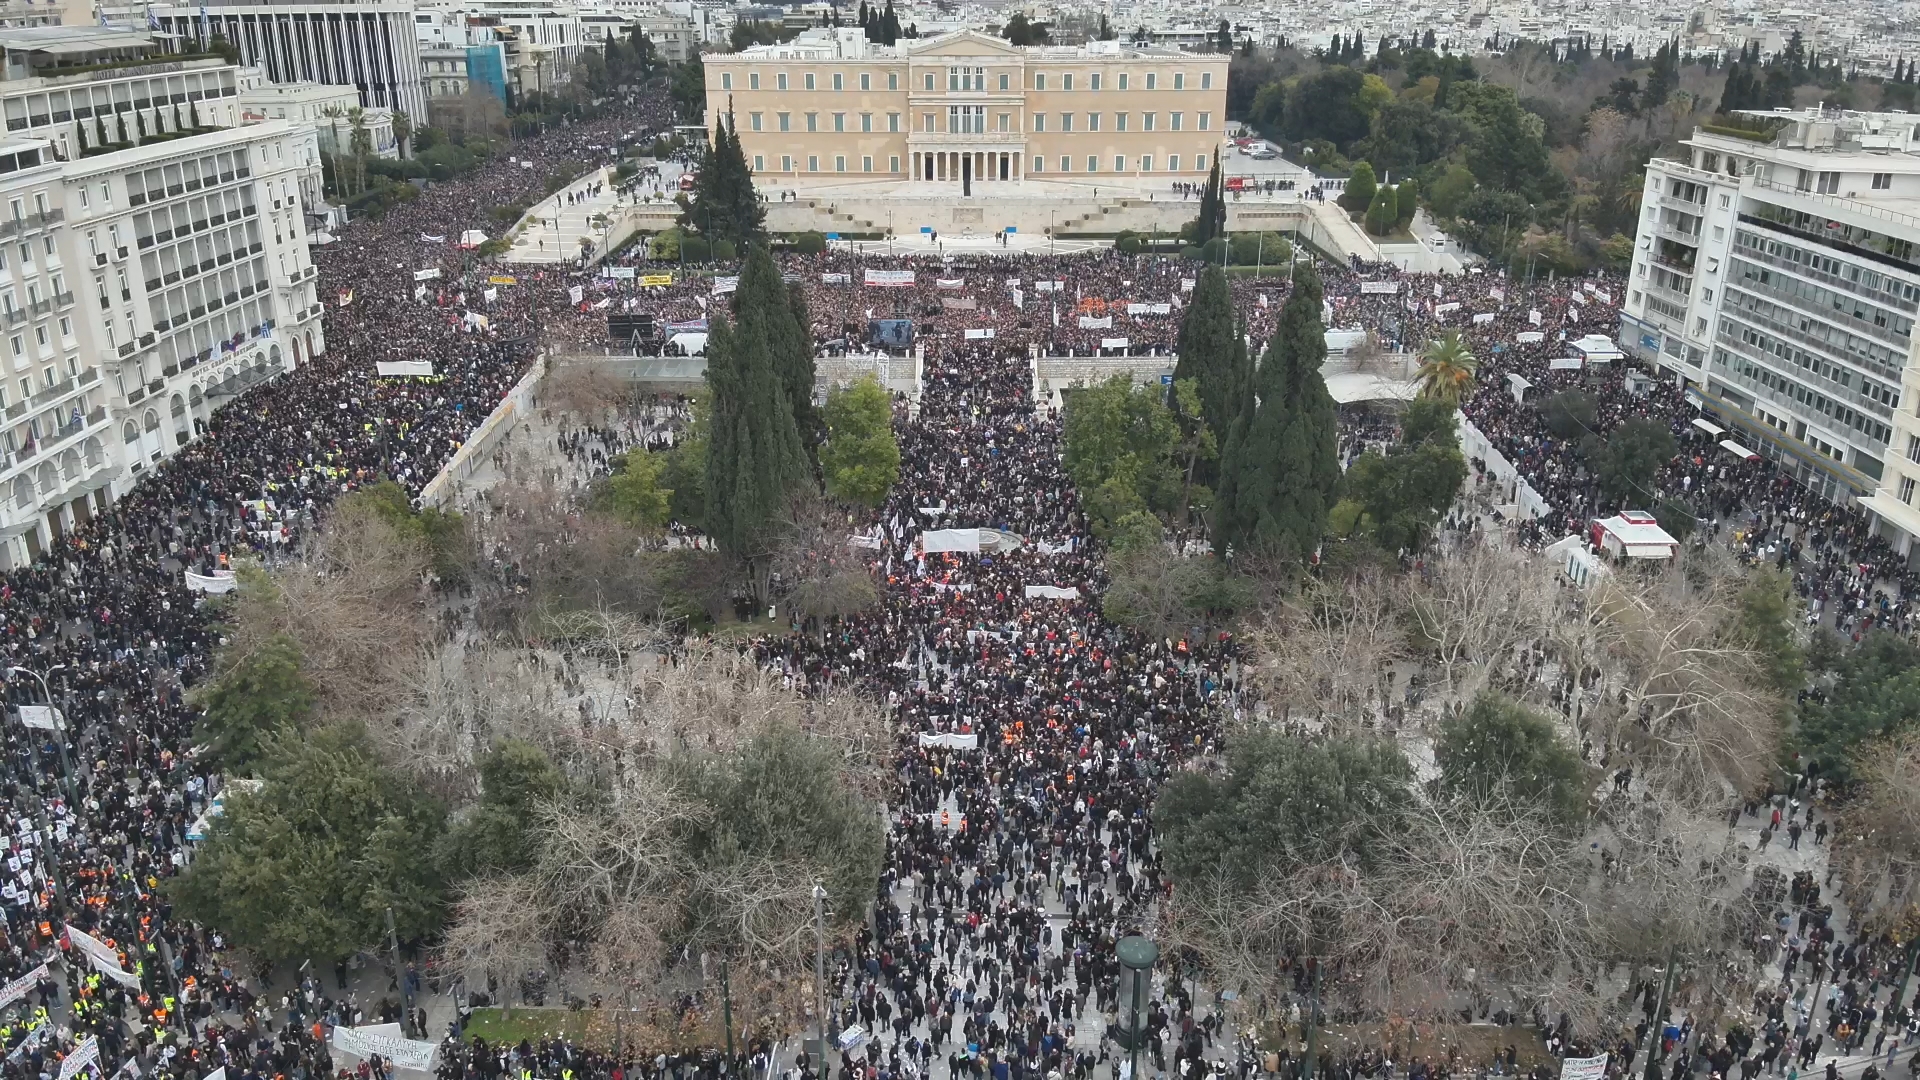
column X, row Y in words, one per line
column 139, row 290
column 368, row 44
column 328, row 109
column 1775, row 273
column 87, row 89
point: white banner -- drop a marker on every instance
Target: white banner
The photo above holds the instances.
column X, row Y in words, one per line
column 1186, row 284
column 618, row 273
column 871, row 543
column 576, row 294
column 386, row 1041
column 1088, row 322
column 952, row 740
column 1149, row 309
column 1380, row 288
column 222, row 581
column 1565, row 363
column 104, row 958
column 1573, row 313
column 1019, row 299
column 1533, row 316
column 1531, row 337
column 1053, row 592
column 1483, row 319
column 889, row 279
column 1444, row 308
column 1048, row 547
column 980, row 335
column 1048, row 286
column 960, row 303
column 44, row 717
column 1496, row 294
column 393, row 369
column 724, row 285
column 22, row 986
column 835, row 279
column 426, row 238
column 1592, row 1068
column 950, row 282
column 428, row 274
column 1113, row 343
column 950, row 540
column 87, row 1053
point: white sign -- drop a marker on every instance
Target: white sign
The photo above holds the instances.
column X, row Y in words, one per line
column 222, row 581
column 576, row 294
column 103, row 957
column 1531, row 337
column 1053, row 592
column 1444, row 308
column 393, row 369
column 1186, row 284
column 1088, row 322
column 1149, row 309
column 980, row 335
column 1113, row 343
column 952, row 740
column 889, row 279
column 950, row 282
column 428, row 274
column 1383, row 288
column 44, row 717
column 724, row 285
column 386, row 1041
column 835, row 279
column 1533, row 316
column 1496, row 294
column 1483, row 319
column 1592, row 1068
column 87, row 1053
column 426, row 238
column 1047, row 286
column 1565, row 363
column 618, row 273
column 20, row 987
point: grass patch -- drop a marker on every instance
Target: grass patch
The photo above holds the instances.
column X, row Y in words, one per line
column 527, row 1022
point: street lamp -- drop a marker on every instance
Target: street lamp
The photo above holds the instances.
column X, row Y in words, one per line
column 54, row 717
column 1137, row 956
column 39, row 807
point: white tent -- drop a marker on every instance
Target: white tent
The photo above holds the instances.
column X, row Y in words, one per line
column 1598, row 348
column 472, row 238
column 1708, row 426
column 968, row 540
column 689, row 343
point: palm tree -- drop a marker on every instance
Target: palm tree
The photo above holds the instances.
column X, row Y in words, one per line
column 402, row 131
column 1447, row 369
column 360, row 143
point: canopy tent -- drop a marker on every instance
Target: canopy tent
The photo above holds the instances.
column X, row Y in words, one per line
column 689, row 343
column 1633, row 534
column 1712, row 429
column 1738, row 451
column 472, row 238
column 1519, row 385
column 1348, row 387
column 1598, row 348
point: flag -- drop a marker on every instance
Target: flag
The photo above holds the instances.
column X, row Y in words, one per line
column 346, row 297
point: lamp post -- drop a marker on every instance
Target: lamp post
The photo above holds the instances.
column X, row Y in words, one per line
column 47, row 852
column 66, row 773
column 820, row 967
column 1137, row 956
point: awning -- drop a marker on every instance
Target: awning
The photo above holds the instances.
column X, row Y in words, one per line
column 1737, row 450
column 1709, row 427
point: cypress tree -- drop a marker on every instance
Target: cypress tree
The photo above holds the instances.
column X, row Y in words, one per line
column 778, row 314
column 1280, row 473
column 1206, row 346
column 1212, row 221
column 755, row 463
column 725, row 204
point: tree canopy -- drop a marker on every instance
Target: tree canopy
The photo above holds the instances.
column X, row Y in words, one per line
column 861, row 458
column 1499, row 747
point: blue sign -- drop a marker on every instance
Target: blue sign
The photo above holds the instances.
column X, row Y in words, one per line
column 833, row 236
column 926, row 228
column 1649, row 342
column 1011, row 229
column 1166, row 380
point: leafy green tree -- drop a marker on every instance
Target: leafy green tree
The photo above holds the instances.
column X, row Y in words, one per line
column 1362, row 186
column 1626, row 461
column 1449, row 195
column 685, row 475
column 497, row 835
column 307, row 867
column 1284, row 803
column 1019, row 31
column 1507, row 151
column 1406, row 199
column 1875, row 693
column 783, row 796
column 635, row 493
column 1675, row 517
column 1403, row 494
column 1119, row 442
column 861, row 458
column 443, row 533
column 255, row 697
column 1280, row 469
column 1766, row 622
column 1427, row 420
column 1570, row 414
column 1327, row 105
column 1497, row 745
column 1384, row 213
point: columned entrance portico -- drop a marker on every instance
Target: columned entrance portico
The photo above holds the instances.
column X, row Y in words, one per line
column 965, row 167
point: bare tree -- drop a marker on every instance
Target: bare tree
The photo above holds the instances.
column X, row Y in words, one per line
column 1327, row 650
column 1876, row 848
column 1475, row 607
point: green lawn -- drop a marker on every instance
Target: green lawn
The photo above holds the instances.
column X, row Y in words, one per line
column 527, row 1023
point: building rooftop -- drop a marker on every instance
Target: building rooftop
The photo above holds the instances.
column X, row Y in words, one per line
column 850, row 43
column 72, row 40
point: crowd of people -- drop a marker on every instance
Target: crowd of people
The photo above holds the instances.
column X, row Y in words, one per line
column 1035, row 734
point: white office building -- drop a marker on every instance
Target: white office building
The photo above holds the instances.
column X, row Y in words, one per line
column 1775, row 273
column 139, row 290
column 369, row 45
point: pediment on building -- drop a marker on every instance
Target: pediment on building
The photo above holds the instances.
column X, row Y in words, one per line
column 962, row 43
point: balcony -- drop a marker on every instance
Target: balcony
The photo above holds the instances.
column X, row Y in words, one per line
column 16, row 410
column 54, row 393
column 41, row 307
column 136, row 395
column 89, row 376
column 15, row 316
column 64, row 299
column 156, row 386
column 126, row 349
column 41, row 221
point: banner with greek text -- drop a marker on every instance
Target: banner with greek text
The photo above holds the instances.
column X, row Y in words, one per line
column 1088, row 322
column 22, row 986
column 952, row 740
column 655, row 281
column 1379, row 288
column 428, row 274
column 724, row 285
column 1053, row 592
column 889, row 279
column 618, row 273
column 44, row 717
column 1531, row 337
column 104, row 958
column 1483, row 319
column 1113, row 343
column 80, row 1057
column 980, row 334
column 1590, row 1068
column 831, row 278
column 221, row 582
column 386, row 1041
